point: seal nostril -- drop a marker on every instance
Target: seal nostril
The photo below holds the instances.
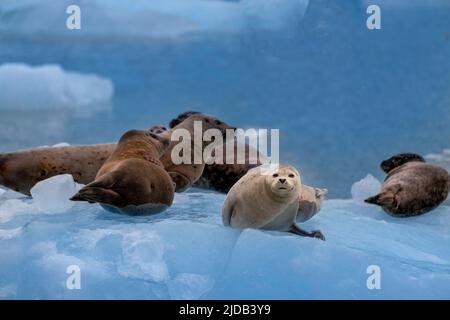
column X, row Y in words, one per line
column 282, row 180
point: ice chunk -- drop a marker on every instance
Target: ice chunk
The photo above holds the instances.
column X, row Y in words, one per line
column 364, row 188
column 52, row 195
column 49, row 87
column 189, row 286
column 61, row 144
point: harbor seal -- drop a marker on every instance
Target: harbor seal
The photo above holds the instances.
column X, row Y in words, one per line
column 21, row 170
column 266, row 201
column 186, row 174
column 221, row 177
column 133, row 179
column 412, row 187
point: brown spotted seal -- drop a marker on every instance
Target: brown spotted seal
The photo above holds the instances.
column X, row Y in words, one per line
column 21, row 170
column 411, row 187
column 133, row 179
column 186, row 174
column 268, row 201
column 222, row 176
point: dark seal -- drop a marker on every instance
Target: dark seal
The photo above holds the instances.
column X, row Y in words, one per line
column 412, row 187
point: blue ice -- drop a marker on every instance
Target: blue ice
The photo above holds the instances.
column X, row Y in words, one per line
column 186, row 253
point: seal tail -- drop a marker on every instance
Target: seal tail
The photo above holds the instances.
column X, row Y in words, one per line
column 97, row 194
column 373, row 200
column 386, row 200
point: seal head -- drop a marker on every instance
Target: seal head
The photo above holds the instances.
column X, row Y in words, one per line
column 398, row 160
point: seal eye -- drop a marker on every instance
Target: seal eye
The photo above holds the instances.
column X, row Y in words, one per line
column 291, row 175
column 218, row 122
column 275, row 175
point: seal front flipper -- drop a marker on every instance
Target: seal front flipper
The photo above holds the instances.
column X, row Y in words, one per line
column 295, row 229
column 97, row 194
column 181, row 182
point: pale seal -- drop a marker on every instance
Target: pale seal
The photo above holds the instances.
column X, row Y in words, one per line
column 412, row 187
column 269, row 201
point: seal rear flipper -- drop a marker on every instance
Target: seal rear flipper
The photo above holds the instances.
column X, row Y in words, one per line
column 227, row 213
column 97, row 194
column 295, row 229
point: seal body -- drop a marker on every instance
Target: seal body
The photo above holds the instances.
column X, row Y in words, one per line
column 268, row 200
column 21, row 170
column 132, row 180
column 412, row 187
column 187, row 173
column 222, row 176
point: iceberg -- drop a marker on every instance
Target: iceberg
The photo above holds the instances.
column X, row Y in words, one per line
column 49, row 87
column 365, row 188
column 52, row 195
column 143, row 19
column 186, row 252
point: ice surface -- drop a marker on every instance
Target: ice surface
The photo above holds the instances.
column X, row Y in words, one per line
column 186, row 253
column 52, row 195
column 49, row 87
column 366, row 187
column 148, row 19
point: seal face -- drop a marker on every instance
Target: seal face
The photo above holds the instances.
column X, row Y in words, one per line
column 399, row 159
column 267, row 201
column 132, row 180
column 412, row 187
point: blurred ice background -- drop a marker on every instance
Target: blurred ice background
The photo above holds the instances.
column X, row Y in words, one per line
column 343, row 97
